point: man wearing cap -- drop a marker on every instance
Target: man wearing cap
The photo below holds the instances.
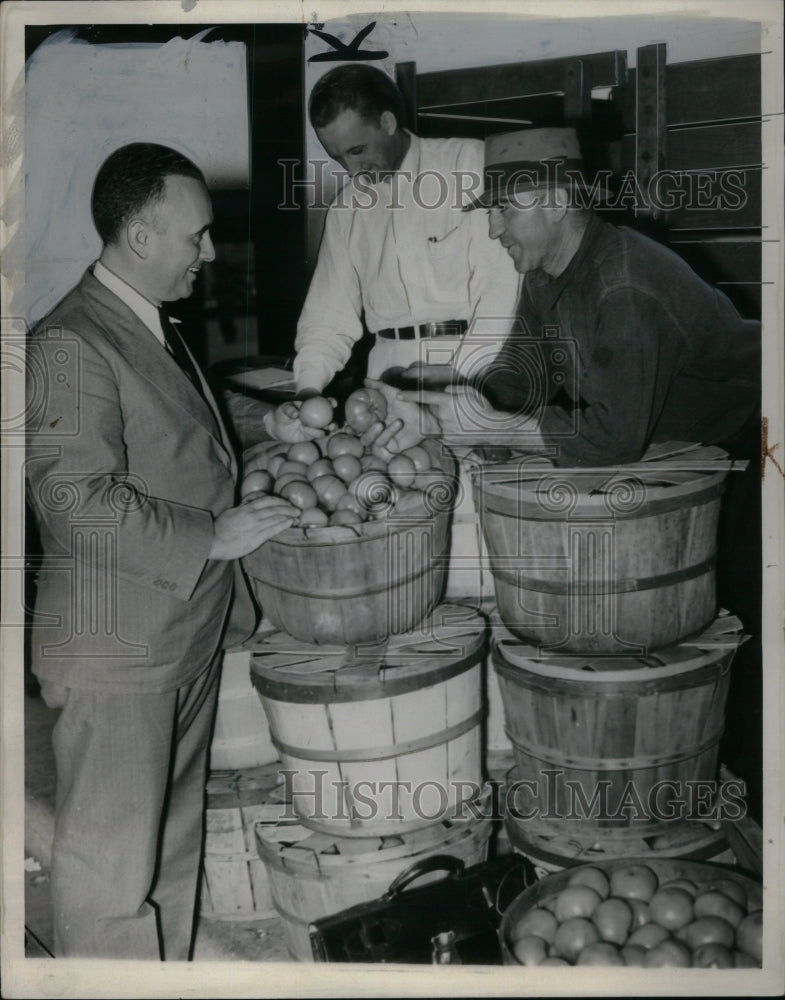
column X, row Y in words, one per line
column 398, row 254
column 618, row 343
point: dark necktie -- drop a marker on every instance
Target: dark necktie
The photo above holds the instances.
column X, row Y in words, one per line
column 177, row 349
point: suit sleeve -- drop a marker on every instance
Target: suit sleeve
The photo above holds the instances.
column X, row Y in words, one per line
column 78, row 475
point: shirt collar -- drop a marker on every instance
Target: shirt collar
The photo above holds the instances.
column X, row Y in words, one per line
column 557, row 285
column 411, row 161
column 141, row 307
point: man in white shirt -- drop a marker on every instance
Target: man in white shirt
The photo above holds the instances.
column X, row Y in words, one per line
column 133, row 483
column 398, row 251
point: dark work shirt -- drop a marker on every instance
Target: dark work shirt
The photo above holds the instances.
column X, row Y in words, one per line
column 628, row 346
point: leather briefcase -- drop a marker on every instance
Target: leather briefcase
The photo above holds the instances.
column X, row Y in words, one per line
column 460, row 912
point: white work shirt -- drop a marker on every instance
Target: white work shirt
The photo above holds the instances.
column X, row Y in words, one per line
column 403, row 252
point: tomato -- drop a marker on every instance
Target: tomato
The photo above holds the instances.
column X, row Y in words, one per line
column 537, row 921
column 745, row 961
column 289, row 466
column 613, row 918
column 345, row 517
column 640, row 912
column 716, row 904
column 573, row 935
column 576, row 901
column 600, row 953
column 257, row 481
column 668, row 954
column 648, row 936
column 554, row 960
column 348, row 502
column 633, row 954
column 316, row 412
column 530, row 949
column 749, row 935
column 363, row 408
column 401, row 470
column 303, row 451
column 274, row 464
column 594, row 877
column 313, row 517
column 282, row 481
column 347, row 467
column 374, row 491
column 707, row 930
column 681, row 883
column 344, row 444
column 420, row 457
column 636, row 881
column 672, row 908
column 321, row 467
column 300, row 494
column 713, row 956
column 734, row 890
column 329, row 490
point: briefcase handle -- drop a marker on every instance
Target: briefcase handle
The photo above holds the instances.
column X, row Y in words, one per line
column 437, row 862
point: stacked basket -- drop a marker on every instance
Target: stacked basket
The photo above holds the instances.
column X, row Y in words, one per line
column 371, row 686
column 612, row 659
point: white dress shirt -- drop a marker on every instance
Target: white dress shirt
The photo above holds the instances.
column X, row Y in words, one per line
column 403, row 253
column 136, row 302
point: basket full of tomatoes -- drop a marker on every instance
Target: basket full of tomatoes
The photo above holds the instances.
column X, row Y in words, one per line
column 368, row 555
column 663, row 913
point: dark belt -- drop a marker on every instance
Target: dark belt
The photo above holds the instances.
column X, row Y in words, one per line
column 450, row 328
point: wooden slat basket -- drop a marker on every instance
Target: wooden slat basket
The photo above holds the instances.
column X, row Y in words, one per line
column 604, row 560
column 313, row 875
column 342, row 585
column 378, row 740
column 609, row 749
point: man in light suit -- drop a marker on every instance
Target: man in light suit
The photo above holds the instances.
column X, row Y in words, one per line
column 133, row 483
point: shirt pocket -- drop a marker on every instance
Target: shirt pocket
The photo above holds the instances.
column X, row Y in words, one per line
column 445, row 266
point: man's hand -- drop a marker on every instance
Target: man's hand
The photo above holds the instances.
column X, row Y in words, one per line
column 284, row 424
column 407, row 423
column 240, row 530
column 430, row 375
column 467, row 418
column 457, row 409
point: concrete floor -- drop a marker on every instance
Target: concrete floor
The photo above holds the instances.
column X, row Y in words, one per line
column 231, row 940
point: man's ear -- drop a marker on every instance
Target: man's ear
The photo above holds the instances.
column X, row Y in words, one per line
column 388, row 122
column 137, row 236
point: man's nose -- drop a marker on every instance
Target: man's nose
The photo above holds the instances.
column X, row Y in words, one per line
column 495, row 224
column 206, row 248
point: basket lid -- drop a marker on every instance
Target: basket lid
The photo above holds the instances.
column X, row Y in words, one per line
column 667, row 476
column 447, row 642
column 724, row 634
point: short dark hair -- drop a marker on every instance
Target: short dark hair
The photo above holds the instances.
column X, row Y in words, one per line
column 360, row 88
column 132, row 177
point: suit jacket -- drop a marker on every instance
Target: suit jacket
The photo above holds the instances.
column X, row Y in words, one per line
column 127, row 466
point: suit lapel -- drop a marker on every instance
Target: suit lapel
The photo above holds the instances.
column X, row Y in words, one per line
column 149, row 358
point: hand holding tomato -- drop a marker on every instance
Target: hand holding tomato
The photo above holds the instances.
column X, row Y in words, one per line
column 300, row 420
column 365, row 407
column 412, row 422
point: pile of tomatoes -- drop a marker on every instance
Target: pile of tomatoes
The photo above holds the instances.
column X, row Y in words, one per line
column 627, row 917
column 336, row 479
